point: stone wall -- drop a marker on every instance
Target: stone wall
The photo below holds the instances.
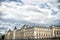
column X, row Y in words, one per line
column 58, row 38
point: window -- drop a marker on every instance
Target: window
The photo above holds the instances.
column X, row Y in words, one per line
column 39, row 34
column 44, row 34
column 54, row 32
column 57, row 32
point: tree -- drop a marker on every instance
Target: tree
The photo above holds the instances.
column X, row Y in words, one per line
column 2, row 37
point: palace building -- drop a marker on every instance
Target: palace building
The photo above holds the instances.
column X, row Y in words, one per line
column 33, row 32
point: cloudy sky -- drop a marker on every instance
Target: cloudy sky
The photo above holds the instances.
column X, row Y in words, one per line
column 32, row 12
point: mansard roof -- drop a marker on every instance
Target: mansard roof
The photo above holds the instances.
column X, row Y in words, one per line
column 35, row 26
column 38, row 26
column 54, row 26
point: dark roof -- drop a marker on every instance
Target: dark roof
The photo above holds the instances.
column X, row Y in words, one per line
column 15, row 28
column 54, row 26
column 9, row 30
column 29, row 26
column 34, row 26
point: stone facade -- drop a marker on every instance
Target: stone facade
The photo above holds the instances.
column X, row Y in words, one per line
column 34, row 32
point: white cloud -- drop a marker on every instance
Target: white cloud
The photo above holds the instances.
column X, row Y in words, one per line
column 30, row 11
column 39, row 1
column 26, row 12
column 33, row 1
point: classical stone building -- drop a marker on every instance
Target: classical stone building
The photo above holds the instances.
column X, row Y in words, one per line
column 34, row 32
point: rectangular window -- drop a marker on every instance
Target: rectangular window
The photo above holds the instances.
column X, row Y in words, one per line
column 54, row 32
column 57, row 32
column 44, row 34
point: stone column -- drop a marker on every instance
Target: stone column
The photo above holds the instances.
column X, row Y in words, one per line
column 8, row 35
column 14, row 34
